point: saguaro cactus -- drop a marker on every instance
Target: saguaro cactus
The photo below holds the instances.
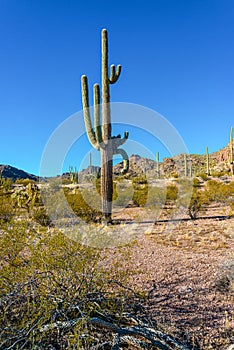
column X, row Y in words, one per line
column 191, row 170
column 73, row 174
column 157, row 164
column 231, row 160
column 207, row 161
column 185, row 165
column 100, row 135
column 90, row 160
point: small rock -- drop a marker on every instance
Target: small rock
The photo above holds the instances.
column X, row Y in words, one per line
column 185, row 289
column 231, row 347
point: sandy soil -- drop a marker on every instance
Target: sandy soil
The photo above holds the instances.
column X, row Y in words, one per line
column 187, row 274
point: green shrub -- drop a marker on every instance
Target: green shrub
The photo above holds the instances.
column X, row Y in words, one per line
column 175, row 175
column 217, row 191
column 219, row 173
column 156, row 197
column 49, row 281
column 41, row 217
column 24, row 182
column 196, row 182
column 5, row 184
column 140, row 197
column 66, row 181
column 195, row 204
column 140, row 194
column 139, row 180
column 81, row 208
column 172, row 193
column 6, row 208
column 203, row 176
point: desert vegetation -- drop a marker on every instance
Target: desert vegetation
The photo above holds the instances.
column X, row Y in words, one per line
column 58, row 294
column 170, row 287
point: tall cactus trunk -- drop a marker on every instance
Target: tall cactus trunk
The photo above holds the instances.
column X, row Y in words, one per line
column 106, row 182
column 100, row 135
column 106, row 151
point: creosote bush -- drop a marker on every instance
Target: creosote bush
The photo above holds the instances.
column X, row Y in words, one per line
column 140, row 194
column 172, row 193
column 47, row 281
column 6, row 203
column 195, row 204
column 219, row 192
column 6, row 208
column 41, row 217
column 81, row 208
column 24, row 182
column 203, row 176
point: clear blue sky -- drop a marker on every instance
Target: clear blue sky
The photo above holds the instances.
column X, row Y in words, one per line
column 177, row 58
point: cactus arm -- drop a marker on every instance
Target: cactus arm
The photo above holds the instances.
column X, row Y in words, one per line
column 97, row 122
column 124, row 155
column 124, row 139
column 86, row 110
column 118, row 141
column 114, row 73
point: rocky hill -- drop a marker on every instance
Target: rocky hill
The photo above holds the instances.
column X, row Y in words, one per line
column 196, row 163
column 8, row 171
column 219, row 162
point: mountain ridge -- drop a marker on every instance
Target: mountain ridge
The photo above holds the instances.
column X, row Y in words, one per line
column 219, row 162
column 11, row 172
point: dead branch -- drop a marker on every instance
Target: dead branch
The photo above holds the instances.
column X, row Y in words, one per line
column 162, row 340
column 157, row 338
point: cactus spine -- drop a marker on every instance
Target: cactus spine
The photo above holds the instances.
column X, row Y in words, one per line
column 207, row 161
column 231, row 152
column 100, row 136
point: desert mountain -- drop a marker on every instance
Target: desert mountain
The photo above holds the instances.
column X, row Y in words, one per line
column 196, row 163
column 8, row 171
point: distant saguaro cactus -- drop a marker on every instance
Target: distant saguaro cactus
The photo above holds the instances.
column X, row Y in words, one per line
column 157, row 164
column 207, row 161
column 100, row 135
column 231, row 160
column 191, row 170
column 185, row 165
column 73, row 174
column 90, row 160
